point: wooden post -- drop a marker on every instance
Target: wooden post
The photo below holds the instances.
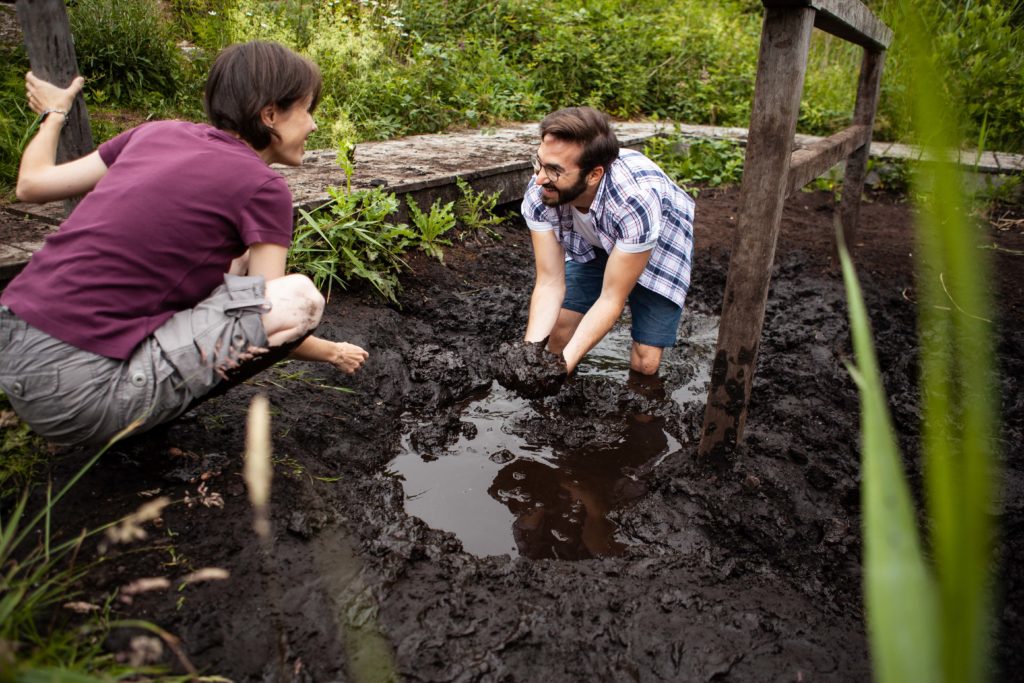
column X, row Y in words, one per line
column 51, row 56
column 782, row 63
column 857, row 163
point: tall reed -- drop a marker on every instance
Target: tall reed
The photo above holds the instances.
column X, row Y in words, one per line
column 929, row 616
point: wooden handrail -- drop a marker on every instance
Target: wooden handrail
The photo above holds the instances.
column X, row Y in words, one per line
column 810, row 162
column 850, row 20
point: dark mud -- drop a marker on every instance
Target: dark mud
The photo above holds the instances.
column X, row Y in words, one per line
column 751, row 573
column 529, row 369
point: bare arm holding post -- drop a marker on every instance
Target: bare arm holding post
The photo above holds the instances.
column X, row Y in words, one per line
column 40, row 178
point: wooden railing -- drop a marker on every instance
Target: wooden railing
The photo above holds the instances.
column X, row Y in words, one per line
column 771, row 173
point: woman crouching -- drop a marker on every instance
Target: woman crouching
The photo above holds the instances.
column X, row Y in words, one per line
column 167, row 283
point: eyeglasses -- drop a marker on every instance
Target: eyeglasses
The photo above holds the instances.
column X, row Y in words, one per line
column 552, row 173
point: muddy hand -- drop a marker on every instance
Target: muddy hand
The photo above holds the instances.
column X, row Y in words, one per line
column 348, row 357
column 529, row 369
column 43, row 95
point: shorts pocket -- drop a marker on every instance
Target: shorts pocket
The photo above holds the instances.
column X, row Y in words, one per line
column 30, row 386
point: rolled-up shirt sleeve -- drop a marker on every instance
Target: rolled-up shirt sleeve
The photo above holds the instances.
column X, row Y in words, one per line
column 639, row 225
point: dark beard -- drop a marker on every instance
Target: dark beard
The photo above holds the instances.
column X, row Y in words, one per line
column 567, row 195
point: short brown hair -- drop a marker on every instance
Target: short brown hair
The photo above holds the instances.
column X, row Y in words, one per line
column 588, row 127
column 246, row 77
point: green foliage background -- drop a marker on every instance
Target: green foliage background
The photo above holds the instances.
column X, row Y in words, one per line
column 397, row 67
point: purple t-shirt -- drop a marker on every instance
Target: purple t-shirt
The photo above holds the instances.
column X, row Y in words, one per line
column 155, row 236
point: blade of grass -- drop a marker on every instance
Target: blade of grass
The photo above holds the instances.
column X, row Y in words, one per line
column 957, row 374
column 899, row 591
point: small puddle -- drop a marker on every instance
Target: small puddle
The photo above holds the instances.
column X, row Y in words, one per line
column 502, row 490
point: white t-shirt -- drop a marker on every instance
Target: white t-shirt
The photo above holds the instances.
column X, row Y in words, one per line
column 583, row 223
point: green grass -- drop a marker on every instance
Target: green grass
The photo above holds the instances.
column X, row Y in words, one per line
column 24, row 456
column 15, row 117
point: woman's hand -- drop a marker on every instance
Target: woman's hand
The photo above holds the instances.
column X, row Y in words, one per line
column 343, row 356
column 43, row 95
column 347, row 357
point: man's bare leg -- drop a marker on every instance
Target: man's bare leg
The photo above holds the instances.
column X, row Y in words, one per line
column 645, row 359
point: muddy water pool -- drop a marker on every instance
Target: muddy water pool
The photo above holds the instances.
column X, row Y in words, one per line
column 504, row 487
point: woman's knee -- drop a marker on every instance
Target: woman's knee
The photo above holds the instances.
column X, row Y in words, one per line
column 296, row 307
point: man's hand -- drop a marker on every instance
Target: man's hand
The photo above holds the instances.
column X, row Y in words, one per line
column 529, row 369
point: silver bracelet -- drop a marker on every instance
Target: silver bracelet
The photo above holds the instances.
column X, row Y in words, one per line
column 47, row 112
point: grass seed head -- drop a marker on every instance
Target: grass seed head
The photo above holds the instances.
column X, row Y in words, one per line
column 258, row 470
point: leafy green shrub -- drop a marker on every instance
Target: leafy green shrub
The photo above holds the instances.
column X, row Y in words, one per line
column 349, row 239
column 475, row 211
column 204, row 23
column 431, row 225
column 126, row 49
column 830, row 85
column 982, row 44
column 692, row 162
column 15, row 116
column 892, row 175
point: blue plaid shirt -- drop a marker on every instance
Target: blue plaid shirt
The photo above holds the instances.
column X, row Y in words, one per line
column 636, row 203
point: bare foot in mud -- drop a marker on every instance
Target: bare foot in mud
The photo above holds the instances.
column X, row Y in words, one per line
column 530, row 370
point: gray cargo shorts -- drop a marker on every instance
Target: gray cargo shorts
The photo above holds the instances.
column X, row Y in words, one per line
column 71, row 396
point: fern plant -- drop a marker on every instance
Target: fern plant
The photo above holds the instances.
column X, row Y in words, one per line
column 475, row 211
column 431, row 225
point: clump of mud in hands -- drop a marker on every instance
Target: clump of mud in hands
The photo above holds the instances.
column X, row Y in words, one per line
column 529, row 369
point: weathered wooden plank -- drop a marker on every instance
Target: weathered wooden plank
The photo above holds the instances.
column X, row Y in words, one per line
column 782, row 63
column 868, row 86
column 848, row 19
column 812, row 161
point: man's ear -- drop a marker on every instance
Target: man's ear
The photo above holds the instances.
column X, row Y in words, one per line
column 595, row 175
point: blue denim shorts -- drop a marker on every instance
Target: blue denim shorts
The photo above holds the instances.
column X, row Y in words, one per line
column 655, row 317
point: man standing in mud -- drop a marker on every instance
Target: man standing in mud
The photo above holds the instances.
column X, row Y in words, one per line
column 608, row 226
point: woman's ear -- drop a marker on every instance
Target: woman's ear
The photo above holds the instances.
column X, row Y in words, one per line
column 268, row 115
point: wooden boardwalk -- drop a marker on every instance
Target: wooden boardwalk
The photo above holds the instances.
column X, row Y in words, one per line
column 425, row 167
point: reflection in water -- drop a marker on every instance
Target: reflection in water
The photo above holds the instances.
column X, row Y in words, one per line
column 561, row 509
column 500, row 494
